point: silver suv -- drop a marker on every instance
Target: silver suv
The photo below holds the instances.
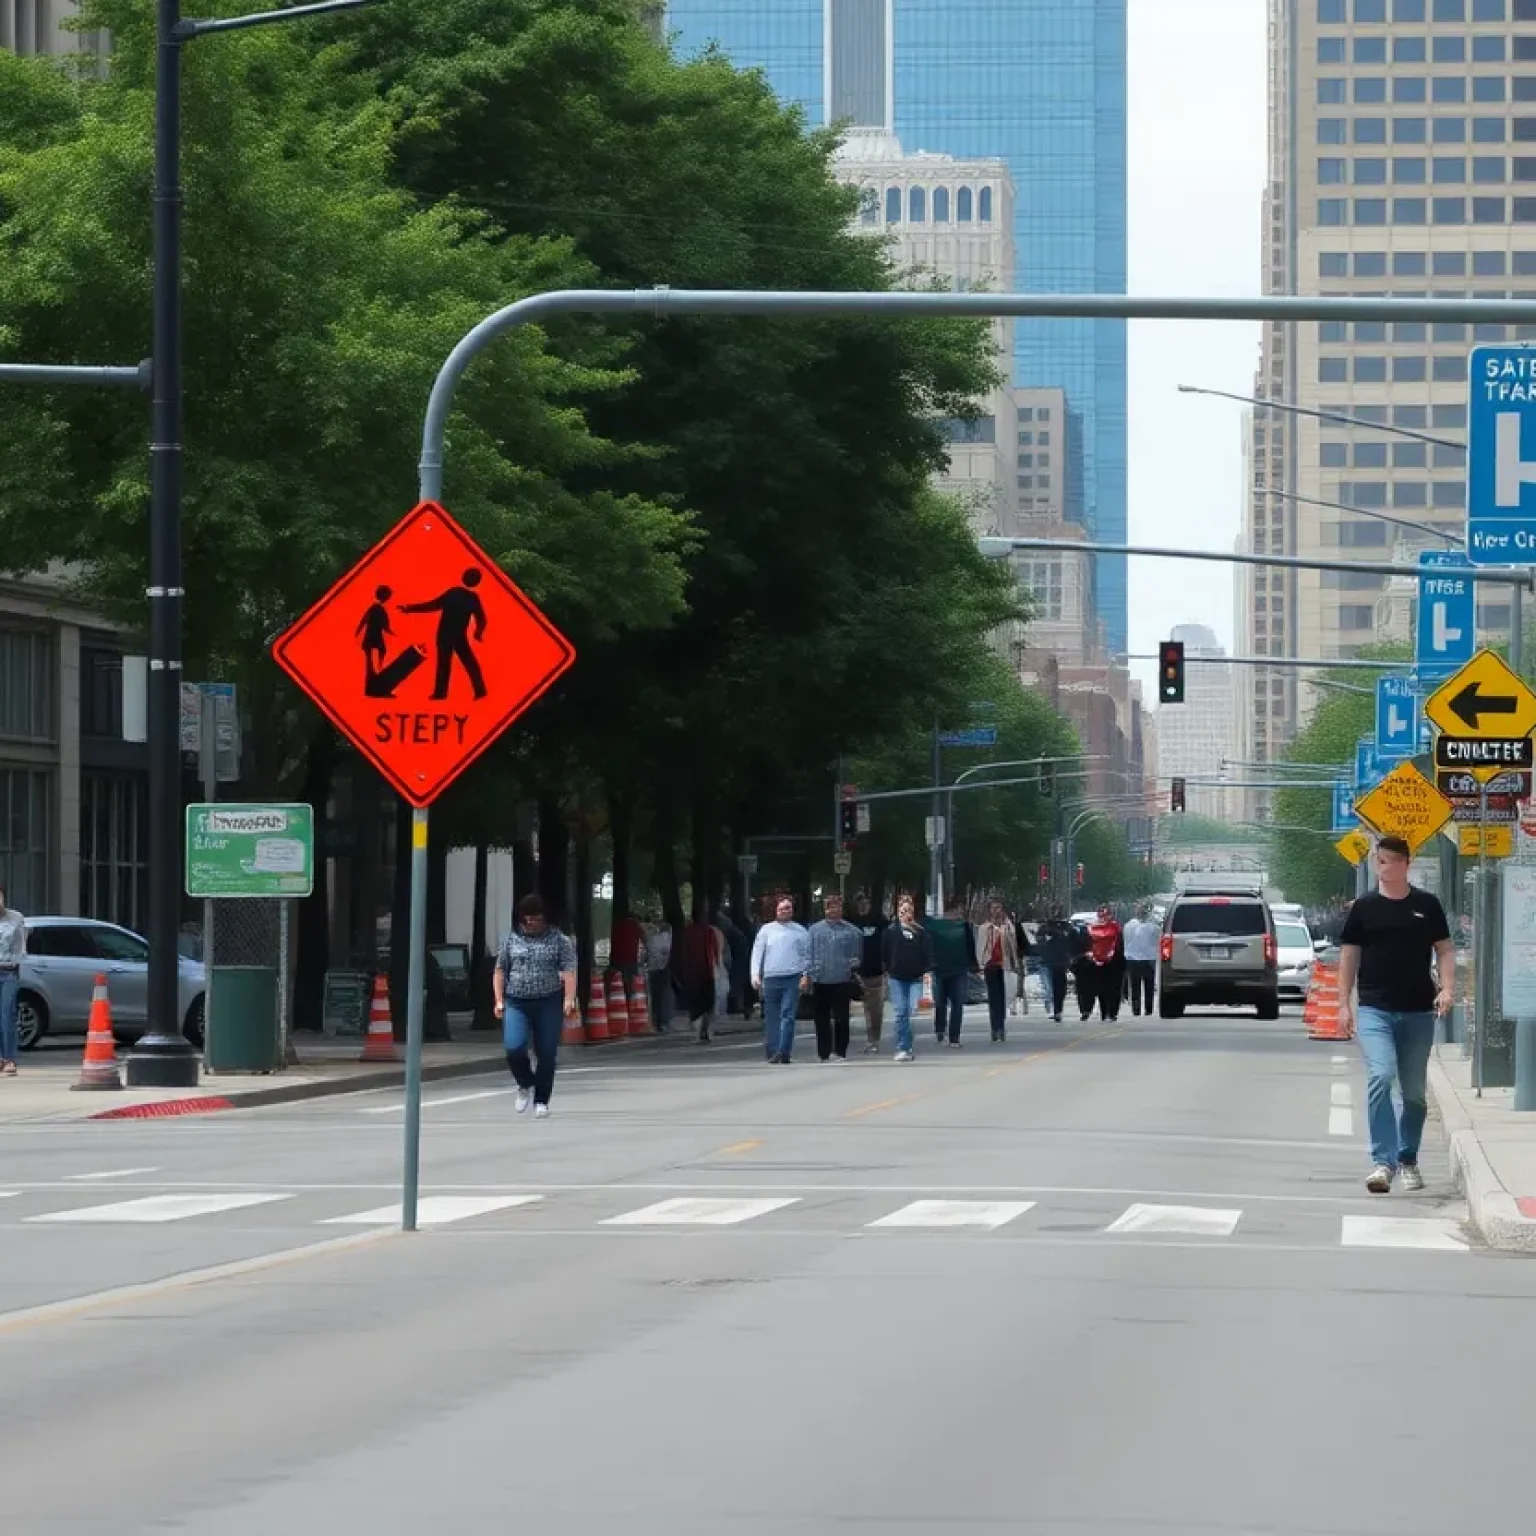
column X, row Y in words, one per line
column 58, row 977
column 1219, row 947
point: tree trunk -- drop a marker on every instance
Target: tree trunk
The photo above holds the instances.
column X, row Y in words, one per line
column 554, row 859
column 437, row 888
column 583, row 924
column 313, row 951
column 477, row 944
column 664, row 832
column 621, row 830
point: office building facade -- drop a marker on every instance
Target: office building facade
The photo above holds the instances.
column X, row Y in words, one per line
column 1037, row 83
column 1402, row 163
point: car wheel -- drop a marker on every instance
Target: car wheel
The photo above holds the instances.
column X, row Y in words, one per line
column 192, row 1025
column 1167, row 1010
column 31, row 1020
column 1269, row 1008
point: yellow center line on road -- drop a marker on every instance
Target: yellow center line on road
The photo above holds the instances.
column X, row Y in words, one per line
column 740, row 1146
column 871, row 1109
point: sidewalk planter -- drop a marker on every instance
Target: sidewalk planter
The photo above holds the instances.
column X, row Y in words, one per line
column 243, row 1019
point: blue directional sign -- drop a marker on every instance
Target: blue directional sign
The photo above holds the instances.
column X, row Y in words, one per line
column 1397, row 716
column 1344, row 818
column 976, row 736
column 1446, row 637
column 1501, row 456
column 1373, row 764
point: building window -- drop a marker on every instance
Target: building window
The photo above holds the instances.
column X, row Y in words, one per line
column 27, row 685
column 1332, row 370
column 1449, row 370
column 1410, row 493
column 1450, row 210
column 941, row 205
column 1489, row 210
column 1414, row 331
column 1330, row 130
column 1370, row 130
column 1336, row 263
column 1370, row 171
column 1488, row 10
column 1489, row 130
column 1330, row 50
column 1370, row 90
column 1331, row 210
column 1330, row 172
column 893, row 205
column 1407, row 10
column 1450, row 170
column 1409, row 88
column 1409, row 210
column 1332, row 455
column 101, row 693
column 1371, row 264
column 1409, row 50
column 1448, row 88
column 1488, row 169
column 1449, row 50
column 1370, row 210
column 1409, row 130
column 1370, row 455
column 1370, row 10
column 1331, row 12
column 114, row 867
column 1332, row 330
column 1488, row 88
column 1408, row 263
column 1410, row 455
column 1488, row 49
column 982, row 430
column 26, row 799
column 1449, row 10
column 1409, row 170
column 1330, row 90
column 1370, row 50
column 1450, row 130
column 963, row 206
column 869, row 206
column 984, row 205
column 1356, row 616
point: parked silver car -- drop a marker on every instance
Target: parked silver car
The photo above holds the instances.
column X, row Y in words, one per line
column 65, row 955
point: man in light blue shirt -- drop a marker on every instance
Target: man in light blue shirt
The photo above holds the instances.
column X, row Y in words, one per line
column 781, row 964
column 836, row 949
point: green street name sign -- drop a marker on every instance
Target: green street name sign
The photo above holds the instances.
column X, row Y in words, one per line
column 236, row 851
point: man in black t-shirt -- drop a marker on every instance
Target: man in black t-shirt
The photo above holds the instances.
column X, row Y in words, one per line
column 1387, row 942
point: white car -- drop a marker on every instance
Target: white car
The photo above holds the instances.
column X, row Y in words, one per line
column 64, row 957
column 1294, row 954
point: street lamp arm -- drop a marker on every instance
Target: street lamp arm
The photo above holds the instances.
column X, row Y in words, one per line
column 1454, row 540
column 1303, row 410
column 137, row 377
column 186, row 30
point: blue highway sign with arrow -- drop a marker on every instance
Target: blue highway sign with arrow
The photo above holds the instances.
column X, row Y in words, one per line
column 1501, row 456
column 1397, row 716
column 1447, row 613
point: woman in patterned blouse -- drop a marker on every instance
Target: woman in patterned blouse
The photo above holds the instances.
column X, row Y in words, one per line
column 535, row 984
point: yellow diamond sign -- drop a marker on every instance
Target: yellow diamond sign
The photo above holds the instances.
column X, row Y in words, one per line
column 1406, row 805
column 1495, row 842
column 1485, row 701
column 1353, row 847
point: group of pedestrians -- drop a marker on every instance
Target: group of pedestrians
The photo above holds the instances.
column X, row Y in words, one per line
column 880, row 960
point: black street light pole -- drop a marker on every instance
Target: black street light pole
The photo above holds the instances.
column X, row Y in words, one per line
column 163, row 1057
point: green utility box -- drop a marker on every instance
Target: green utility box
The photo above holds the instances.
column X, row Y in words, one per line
column 243, row 1019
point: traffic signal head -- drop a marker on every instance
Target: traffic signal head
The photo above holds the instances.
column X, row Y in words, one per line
column 1170, row 672
column 849, row 822
column 1047, row 779
column 1176, row 795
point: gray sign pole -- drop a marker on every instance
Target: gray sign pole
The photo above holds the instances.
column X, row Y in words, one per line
column 416, row 984
column 208, row 763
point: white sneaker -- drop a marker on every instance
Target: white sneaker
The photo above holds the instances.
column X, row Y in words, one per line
column 1380, row 1181
column 541, row 1111
column 903, row 1055
column 1410, row 1175
column 524, row 1099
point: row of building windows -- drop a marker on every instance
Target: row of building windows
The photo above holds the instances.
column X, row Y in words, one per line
column 1371, row 90
column 1449, row 416
column 1337, row 12
column 1034, row 461
column 1409, row 332
column 967, row 206
column 1448, row 48
column 1402, row 493
column 1370, row 212
column 1035, row 413
column 27, row 685
column 1426, row 130
column 1417, row 170
column 1402, row 370
column 1420, row 264
column 1401, row 455
column 1030, row 439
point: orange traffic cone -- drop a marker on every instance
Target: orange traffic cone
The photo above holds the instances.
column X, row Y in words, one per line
column 571, row 1031
column 925, row 1003
column 597, row 1011
column 640, row 1009
column 618, row 1007
column 380, row 1044
column 99, row 1068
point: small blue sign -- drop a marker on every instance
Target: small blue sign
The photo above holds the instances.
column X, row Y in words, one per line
column 1501, row 456
column 1372, row 764
column 976, row 736
column 1397, row 716
column 1344, row 818
column 1446, row 632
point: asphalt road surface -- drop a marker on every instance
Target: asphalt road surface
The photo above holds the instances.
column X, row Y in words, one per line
column 1111, row 1281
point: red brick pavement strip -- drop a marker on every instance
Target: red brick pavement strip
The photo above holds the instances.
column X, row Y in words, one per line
column 164, row 1110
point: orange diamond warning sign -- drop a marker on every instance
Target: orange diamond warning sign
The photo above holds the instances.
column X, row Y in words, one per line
column 423, row 653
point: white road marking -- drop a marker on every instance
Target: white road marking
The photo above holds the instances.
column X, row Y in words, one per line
column 9, row 1194
column 1339, row 1061
column 111, row 1173
column 434, row 1210
column 160, row 1208
column 1403, row 1232
column 1341, row 1093
column 955, row 1213
column 1190, row 1220
column 696, row 1213
column 458, row 1098
column 1341, row 1120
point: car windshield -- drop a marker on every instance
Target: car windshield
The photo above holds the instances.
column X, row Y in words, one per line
column 1239, row 919
column 1292, row 936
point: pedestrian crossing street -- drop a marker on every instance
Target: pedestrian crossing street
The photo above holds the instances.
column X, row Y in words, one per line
column 614, row 1210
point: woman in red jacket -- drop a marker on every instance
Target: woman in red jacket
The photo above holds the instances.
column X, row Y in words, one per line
column 1106, row 949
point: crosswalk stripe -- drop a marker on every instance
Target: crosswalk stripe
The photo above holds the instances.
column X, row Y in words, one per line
column 955, row 1213
column 697, row 1212
column 1435, row 1232
column 156, row 1208
column 1190, row 1220
column 1341, row 1120
column 434, row 1210
column 1341, row 1093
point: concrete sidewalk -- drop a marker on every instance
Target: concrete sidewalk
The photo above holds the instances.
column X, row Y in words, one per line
column 43, row 1089
column 1493, row 1152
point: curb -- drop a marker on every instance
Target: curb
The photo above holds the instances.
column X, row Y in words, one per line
column 1493, row 1212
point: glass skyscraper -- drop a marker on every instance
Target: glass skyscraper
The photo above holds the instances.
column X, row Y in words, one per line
column 1039, row 83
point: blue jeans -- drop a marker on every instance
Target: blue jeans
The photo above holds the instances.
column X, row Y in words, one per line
column 10, row 986
column 949, row 1003
column 1395, row 1045
column 781, row 996
column 905, row 997
column 539, row 1020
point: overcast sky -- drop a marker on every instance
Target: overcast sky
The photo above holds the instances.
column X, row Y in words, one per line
column 1196, row 174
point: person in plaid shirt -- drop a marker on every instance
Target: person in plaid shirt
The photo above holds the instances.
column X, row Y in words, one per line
column 836, row 950
column 535, row 986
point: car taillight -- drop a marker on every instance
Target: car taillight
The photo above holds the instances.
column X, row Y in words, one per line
column 1269, row 949
column 1165, row 948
